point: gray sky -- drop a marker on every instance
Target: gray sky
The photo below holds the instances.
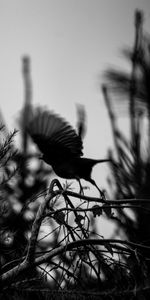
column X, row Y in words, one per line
column 70, row 43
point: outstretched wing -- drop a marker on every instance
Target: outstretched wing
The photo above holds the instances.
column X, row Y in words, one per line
column 53, row 135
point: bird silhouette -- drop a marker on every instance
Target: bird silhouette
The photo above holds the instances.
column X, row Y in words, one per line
column 61, row 146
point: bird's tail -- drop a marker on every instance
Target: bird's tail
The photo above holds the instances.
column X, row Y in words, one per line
column 86, row 165
column 93, row 162
column 101, row 160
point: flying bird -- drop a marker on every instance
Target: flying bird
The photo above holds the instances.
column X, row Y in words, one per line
column 61, row 146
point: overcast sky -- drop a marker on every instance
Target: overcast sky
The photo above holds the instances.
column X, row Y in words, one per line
column 70, row 43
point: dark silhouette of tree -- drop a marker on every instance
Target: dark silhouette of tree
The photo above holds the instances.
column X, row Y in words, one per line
column 131, row 167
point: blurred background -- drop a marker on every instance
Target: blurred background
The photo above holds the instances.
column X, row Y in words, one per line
column 70, row 44
column 59, row 54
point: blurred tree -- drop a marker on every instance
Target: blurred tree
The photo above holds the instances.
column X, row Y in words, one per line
column 20, row 184
column 131, row 167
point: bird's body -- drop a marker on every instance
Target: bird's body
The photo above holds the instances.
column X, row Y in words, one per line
column 75, row 168
column 60, row 145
